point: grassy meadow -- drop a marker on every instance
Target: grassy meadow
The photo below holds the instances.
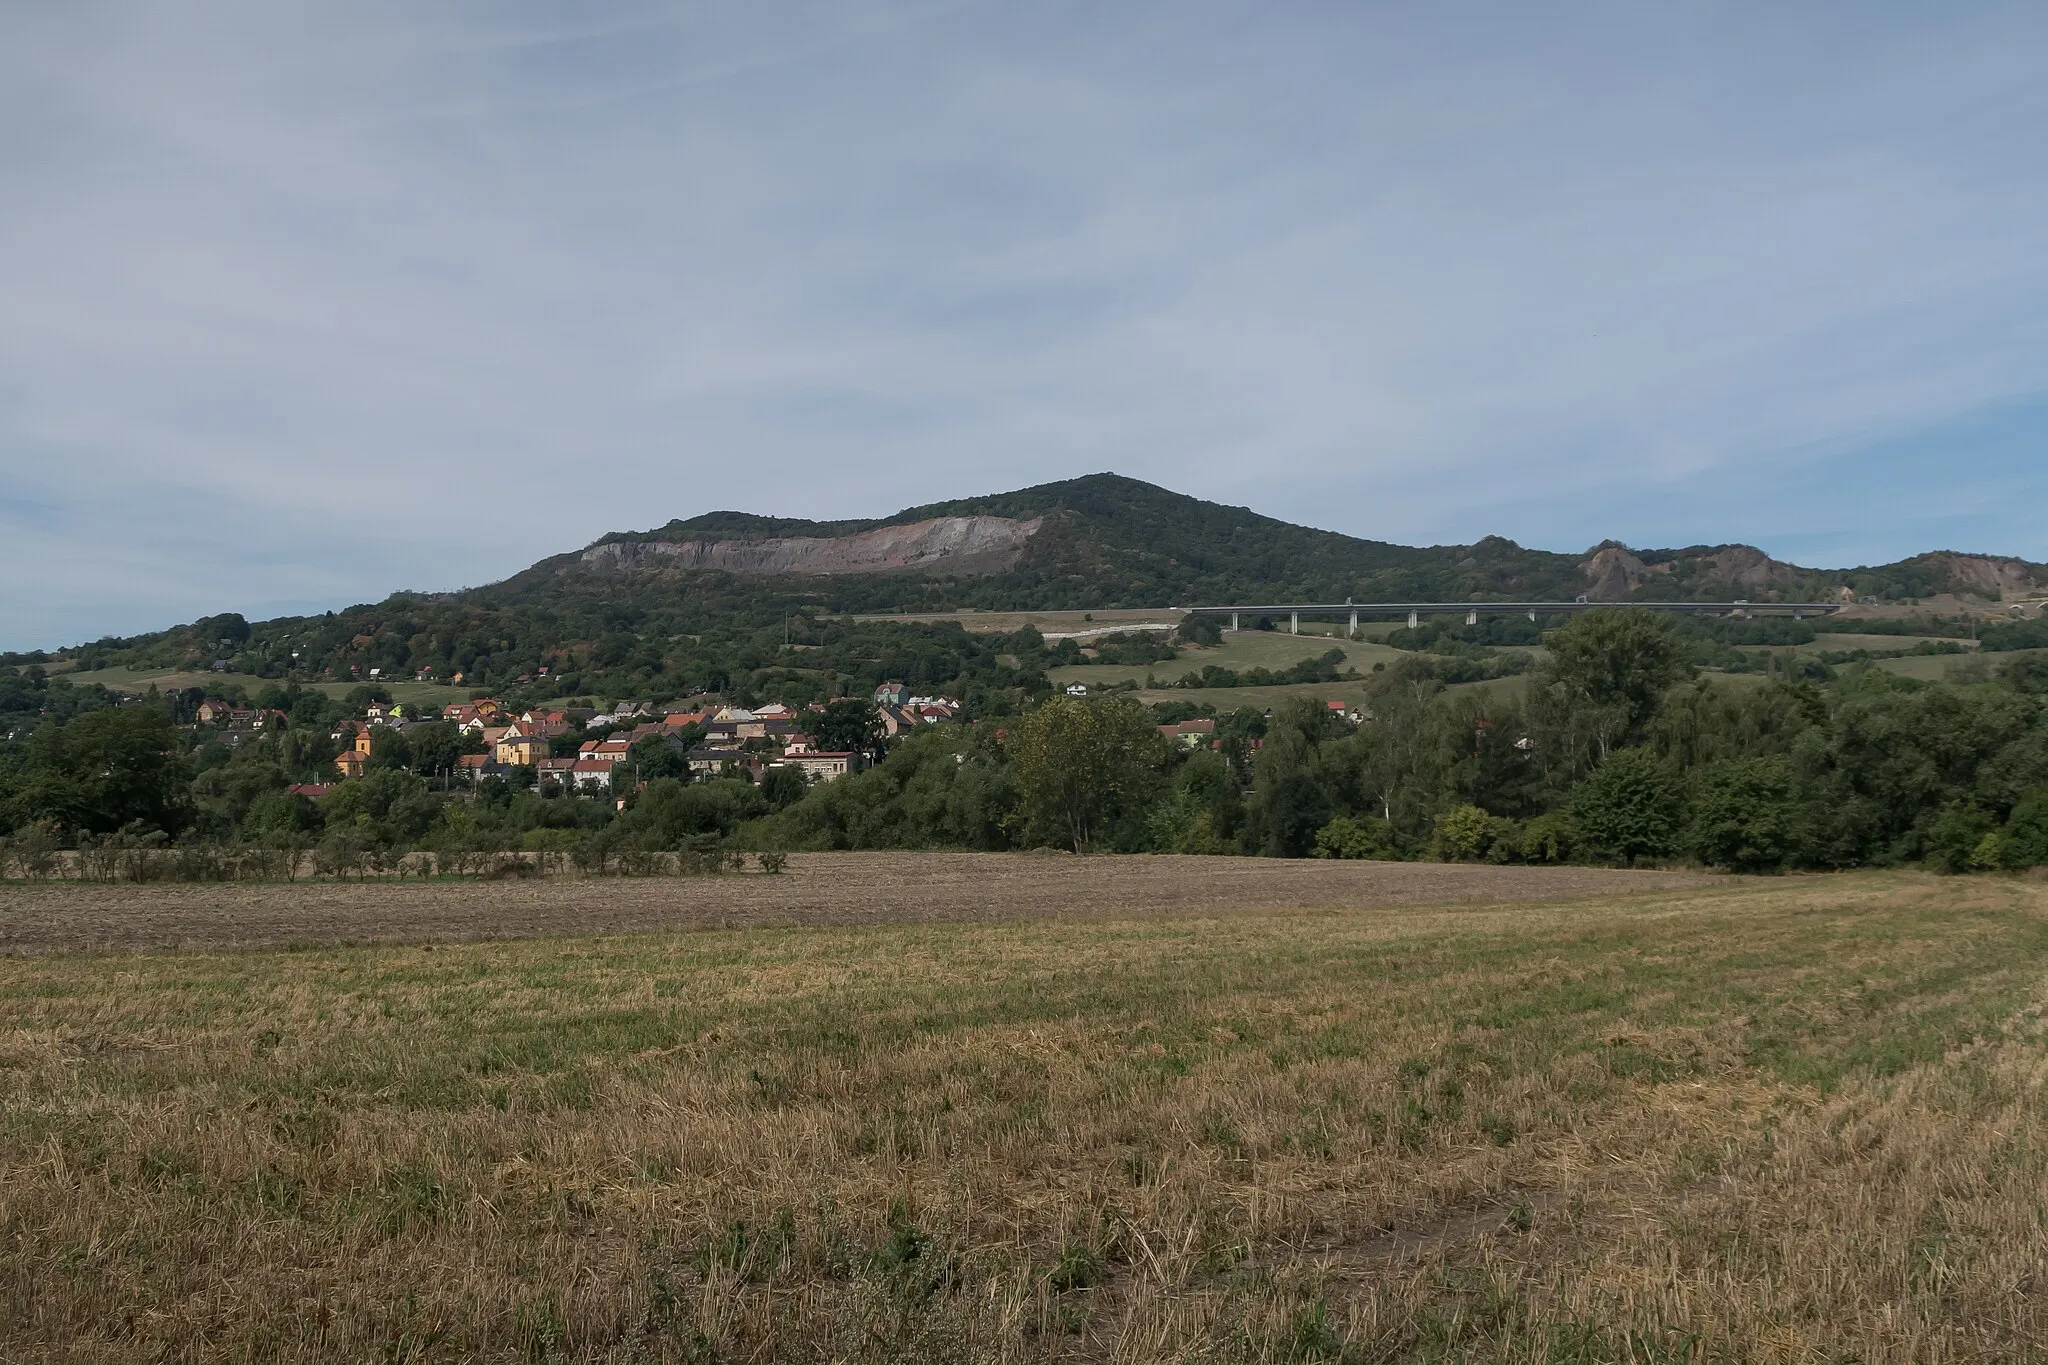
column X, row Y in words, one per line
column 1796, row 1119
column 173, row 679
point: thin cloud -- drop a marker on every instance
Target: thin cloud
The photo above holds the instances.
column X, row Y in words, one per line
column 421, row 297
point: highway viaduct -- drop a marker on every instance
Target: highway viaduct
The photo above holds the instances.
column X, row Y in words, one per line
column 1417, row 611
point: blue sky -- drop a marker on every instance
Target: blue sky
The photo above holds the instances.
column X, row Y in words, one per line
column 300, row 304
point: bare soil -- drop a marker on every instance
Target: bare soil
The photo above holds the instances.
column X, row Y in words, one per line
column 818, row 889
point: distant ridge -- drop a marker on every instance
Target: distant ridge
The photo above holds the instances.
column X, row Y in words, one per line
column 1111, row 541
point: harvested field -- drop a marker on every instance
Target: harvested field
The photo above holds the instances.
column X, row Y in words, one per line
column 818, row 889
column 1798, row 1119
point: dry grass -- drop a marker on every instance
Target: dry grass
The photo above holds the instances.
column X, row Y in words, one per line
column 1790, row 1120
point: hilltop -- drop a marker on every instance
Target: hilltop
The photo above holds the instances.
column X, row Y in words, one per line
column 1110, row 541
column 639, row 603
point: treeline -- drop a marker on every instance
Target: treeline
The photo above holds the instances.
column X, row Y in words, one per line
column 1616, row 751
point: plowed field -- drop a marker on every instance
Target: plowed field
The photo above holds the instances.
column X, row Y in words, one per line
column 818, row 888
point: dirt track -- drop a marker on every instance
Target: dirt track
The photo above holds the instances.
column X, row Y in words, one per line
column 819, row 888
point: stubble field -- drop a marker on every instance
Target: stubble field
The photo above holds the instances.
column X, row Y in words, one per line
column 1602, row 1120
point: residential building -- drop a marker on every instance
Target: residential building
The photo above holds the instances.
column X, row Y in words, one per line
column 558, row 770
column 592, row 774
column 821, row 767
column 892, row 694
column 521, row 750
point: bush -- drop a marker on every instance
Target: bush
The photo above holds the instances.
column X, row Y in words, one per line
column 1460, row 835
column 1362, row 837
column 2026, row 831
column 1956, row 838
column 1742, row 815
column 1628, row 809
column 1547, row 838
column 772, row 864
column 32, row 852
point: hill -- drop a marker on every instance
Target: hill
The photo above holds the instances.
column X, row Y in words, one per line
column 1110, row 541
column 696, row 602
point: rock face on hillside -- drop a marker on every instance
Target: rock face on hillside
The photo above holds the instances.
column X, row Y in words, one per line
column 960, row 545
column 1992, row 578
column 1614, row 572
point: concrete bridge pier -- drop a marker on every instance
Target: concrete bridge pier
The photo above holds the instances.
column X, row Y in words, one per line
column 1532, row 616
column 1472, row 617
column 1294, row 623
column 1233, row 621
column 1354, row 624
column 1413, row 620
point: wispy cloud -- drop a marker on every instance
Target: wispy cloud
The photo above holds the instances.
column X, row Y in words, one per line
column 307, row 303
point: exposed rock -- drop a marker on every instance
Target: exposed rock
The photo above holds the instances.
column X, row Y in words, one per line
column 1745, row 566
column 1992, row 578
column 965, row 545
column 1612, row 573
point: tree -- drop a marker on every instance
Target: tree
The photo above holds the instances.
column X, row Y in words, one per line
column 1742, row 814
column 436, row 746
column 1078, row 761
column 106, row 770
column 849, row 725
column 1617, row 661
column 1628, row 809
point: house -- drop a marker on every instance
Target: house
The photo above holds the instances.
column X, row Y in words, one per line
column 1189, row 733
column 744, row 724
column 712, row 762
column 821, row 767
column 312, row 791
column 558, row 770
column 607, row 750
column 798, row 743
column 774, row 710
column 521, row 750
column 892, row 694
column 493, row 733
column 214, row 711
column 592, row 774
column 1077, row 689
column 894, row 720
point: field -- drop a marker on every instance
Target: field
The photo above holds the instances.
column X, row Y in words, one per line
column 1124, row 1109
column 1240, row 651
column 1053, row 623
column 170, row 679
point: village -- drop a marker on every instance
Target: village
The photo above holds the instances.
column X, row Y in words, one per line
column 581, row 749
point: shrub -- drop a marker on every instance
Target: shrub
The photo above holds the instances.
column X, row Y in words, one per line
column 32, row 851
column 1742, row 814
column 772, row 864
column 1956, row 836
column 2026, row 831
column 1628, row 809
column 1547, row 838
column 1460, row 835
column 1363, row 837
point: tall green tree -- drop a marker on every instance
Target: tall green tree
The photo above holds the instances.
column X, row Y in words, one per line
column 1606, row 672
column 105, row 770
column 1078, row 762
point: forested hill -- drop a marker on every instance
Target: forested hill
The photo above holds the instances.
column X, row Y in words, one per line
column 700, row 598
column 1110, row 541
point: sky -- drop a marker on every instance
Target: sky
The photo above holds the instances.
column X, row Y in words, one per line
column 301, row 304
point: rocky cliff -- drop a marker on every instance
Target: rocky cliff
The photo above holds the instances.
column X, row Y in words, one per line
column 955, row 545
